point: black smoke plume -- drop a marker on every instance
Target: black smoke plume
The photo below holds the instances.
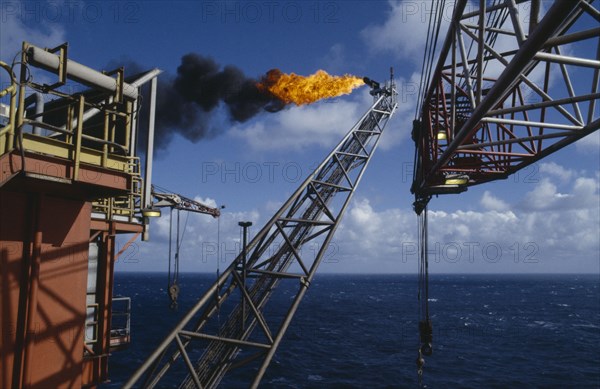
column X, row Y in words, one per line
column 186, row 102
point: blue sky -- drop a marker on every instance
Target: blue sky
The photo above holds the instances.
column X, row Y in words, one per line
column 545, row 219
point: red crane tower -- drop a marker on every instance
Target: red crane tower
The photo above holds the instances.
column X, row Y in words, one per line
column 505, row 93
column 514, row 83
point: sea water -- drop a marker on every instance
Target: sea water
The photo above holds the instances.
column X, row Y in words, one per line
column 360, row 331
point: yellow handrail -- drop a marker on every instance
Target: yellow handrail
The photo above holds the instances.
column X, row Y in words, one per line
column 9, row 129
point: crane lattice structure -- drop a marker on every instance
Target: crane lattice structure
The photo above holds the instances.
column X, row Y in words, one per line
column 163, row 199
column 242, row 292
column 514, row 83
column 166, row 199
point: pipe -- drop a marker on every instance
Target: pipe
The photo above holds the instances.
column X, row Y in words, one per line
column 530, row 123
column 136, row 84
column 76, row 71
column 146, row 77
column 38, row 99
column 147, row 199
column 152, row 74
column 134, row 124
column 39, row 111
column 565, row 59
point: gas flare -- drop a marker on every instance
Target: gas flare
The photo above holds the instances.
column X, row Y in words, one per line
column 300, row 90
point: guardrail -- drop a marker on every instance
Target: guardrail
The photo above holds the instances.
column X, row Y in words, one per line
column 91, row 127
column 120, row 329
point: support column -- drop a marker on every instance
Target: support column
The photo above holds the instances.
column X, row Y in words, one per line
column 34, row 279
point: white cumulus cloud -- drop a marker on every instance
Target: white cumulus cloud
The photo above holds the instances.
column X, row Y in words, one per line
column 492, row 203
column 404, row 31
column 556, row 170
column 321, row 124
column 544, row 231
column 13, row 32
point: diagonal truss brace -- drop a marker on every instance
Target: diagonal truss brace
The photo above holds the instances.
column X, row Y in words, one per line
column 311, row 215
column 515, row 82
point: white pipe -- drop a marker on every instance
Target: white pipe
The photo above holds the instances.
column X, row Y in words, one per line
column 77, row 71
column 146, row 77
column 39, row 110
column 133, row 136
column 150, row 149
column 136, row 84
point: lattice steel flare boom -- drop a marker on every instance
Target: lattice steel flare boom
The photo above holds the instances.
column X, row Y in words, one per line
column 240, row 295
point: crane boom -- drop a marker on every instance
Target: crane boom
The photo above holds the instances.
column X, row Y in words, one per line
column 503, row 94
column 242, row 292
column 514, row 83
column 177, row 201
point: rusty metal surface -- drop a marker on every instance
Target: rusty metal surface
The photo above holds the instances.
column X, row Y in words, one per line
column 41, row 332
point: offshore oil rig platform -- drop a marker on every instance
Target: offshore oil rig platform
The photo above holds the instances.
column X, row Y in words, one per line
column 500, row 97
column 70, row 182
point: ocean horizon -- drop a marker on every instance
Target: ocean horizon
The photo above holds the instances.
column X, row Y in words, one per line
column 360, row 330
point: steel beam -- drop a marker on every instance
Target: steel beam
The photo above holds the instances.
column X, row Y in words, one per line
column 548, row 25
column 326, row 193
column 491, row 116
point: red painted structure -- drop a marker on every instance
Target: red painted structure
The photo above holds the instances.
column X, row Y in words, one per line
column 66, row 191
column 504, row 94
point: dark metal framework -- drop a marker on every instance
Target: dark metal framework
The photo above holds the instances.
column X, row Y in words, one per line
column 514, row 83
column 248, row 335
column 179, row 202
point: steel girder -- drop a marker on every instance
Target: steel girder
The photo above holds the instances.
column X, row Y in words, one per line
column 177, row 201
column 209, row 346
column 513, row 84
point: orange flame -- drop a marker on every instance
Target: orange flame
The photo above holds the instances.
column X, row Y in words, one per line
column 300, row 90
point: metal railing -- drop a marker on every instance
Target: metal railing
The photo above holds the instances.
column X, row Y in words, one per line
column 7, row 131
column 93, row 127
column 120, row 326
column 126, row 207
column 91, row 325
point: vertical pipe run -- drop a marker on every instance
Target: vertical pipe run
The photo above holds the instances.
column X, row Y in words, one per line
column 39, row 111
column 128, row 124
column 78, row 136
column 150, row 149
column 105, row 137
column 134, row 126
column 18, row 123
